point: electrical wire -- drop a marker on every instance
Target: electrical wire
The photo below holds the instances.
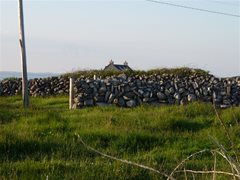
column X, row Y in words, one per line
column 193, row 8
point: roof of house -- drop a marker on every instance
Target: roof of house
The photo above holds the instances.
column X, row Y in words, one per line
column 119, row 67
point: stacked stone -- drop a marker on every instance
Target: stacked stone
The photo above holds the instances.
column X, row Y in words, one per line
column 130, row 91
column 166, row 89
column 10, row 87
column 226, row 92
column 37, row 87
column 49, row 86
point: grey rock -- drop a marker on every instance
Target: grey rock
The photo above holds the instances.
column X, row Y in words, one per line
column 177, row 96
column 181, row 90
column 89, row 102
column 102, row 104
column 121, row 102
column 107, row 96
column 197, row 93
column 129, row 95
column 111, row 98
column 131, row 103
column 191, row 97
column 102, row 89
column 60, row 92
column 167, row 92
column 171, row 100
column 171, row 90
column 77, row 99
column 195, row 85
column 146, row 94
column 227, row 101
column 225, row 106
column 161, row 96
column 98, row 98
column 122, row 76
column 74, row 106
column 140, row 91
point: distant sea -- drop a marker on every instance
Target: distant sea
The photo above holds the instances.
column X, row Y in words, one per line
column 11, row 74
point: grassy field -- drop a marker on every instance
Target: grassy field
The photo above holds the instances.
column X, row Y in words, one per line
column 42, row 142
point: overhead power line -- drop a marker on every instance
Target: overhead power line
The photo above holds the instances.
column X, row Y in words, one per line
column 193, row 8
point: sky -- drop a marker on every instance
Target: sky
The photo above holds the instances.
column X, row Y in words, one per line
column 69, row 35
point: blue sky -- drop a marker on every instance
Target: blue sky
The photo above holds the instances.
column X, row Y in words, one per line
column 62, row 36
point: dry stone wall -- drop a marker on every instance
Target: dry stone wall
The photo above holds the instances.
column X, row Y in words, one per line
column 37, row 87
column 131, row 91
column 165, row 89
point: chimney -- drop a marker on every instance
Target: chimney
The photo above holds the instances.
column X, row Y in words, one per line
column 111, row 62
column 125, row 63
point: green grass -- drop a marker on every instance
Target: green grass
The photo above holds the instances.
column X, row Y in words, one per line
column 41, row 141
column 181, row 71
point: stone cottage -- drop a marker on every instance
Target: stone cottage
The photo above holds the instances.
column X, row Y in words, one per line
column 117, row 67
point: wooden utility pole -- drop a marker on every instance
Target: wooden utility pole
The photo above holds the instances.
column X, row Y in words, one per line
column 23, row 55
